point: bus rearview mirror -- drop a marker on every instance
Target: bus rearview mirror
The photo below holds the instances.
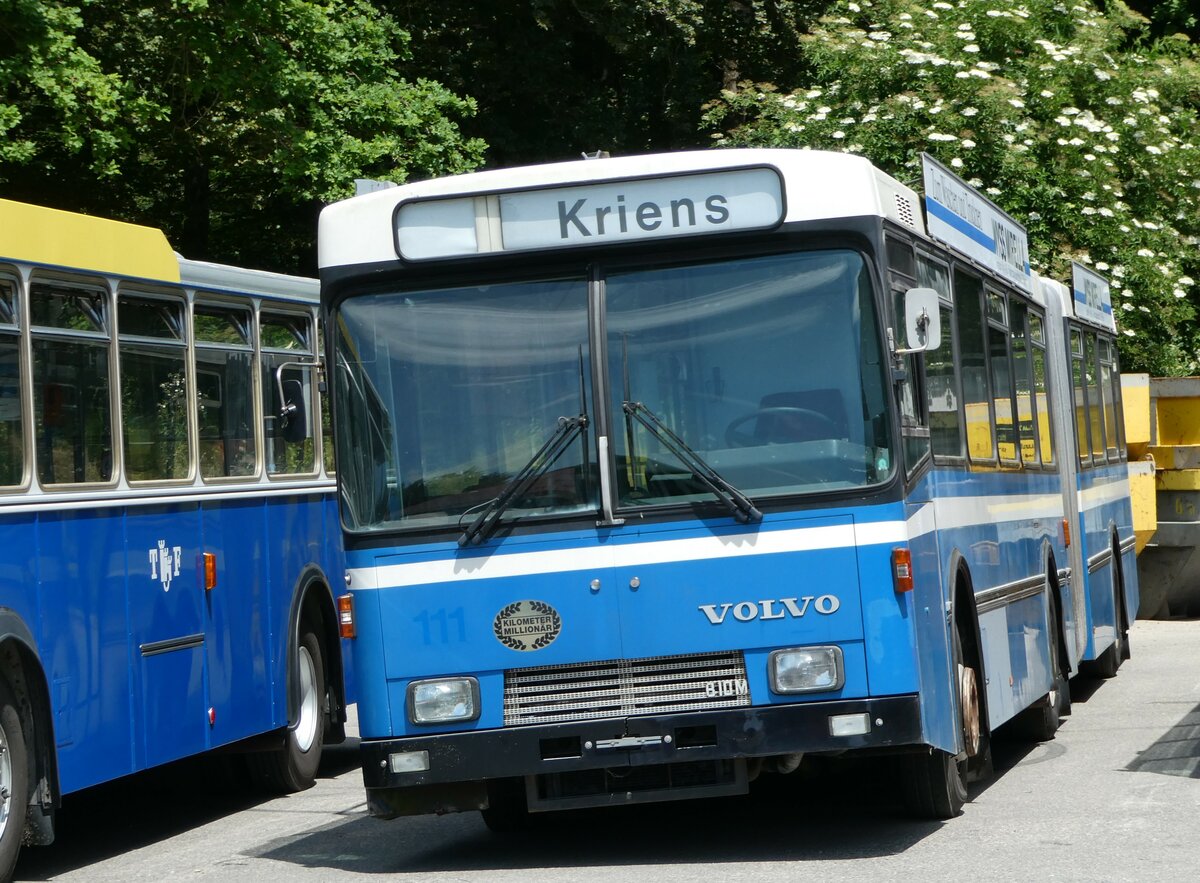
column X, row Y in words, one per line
column 923, row 327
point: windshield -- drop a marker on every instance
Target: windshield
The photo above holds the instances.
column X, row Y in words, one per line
column 768, row 369
column 449, row 394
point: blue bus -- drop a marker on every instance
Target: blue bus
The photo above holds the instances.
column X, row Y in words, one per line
column 662, row 473
column 168, row 510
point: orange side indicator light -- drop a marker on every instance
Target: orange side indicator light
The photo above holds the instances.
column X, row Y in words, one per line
column 1066, row 533
column 210, row 571
column 902, row 569
column 345, row 606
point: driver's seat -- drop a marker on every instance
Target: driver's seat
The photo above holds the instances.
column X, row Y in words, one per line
column 780, row 428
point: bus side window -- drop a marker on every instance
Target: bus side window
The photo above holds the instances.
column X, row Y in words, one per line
column 152, row 348
column 977, row 400
column 72, row 400
column 1004, row 404
column 326, row 424
column 1042, row 405
column 12, row 442
column 1095, row 408
column 910, row 396
column 286, row 339
column 1079, row 390
column 224, row 390
column 1109, row 393
column 941, row 376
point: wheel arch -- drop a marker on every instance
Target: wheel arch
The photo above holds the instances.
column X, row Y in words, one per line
column 964, row 617
column 21, row 667
column 1056, row 602
column 313, row 603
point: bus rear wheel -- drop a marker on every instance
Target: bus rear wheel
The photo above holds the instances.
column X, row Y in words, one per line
column 14, row 782
column 293, row 766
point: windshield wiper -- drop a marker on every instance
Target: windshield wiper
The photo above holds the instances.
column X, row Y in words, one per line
column 487, row 520
column 738, row 504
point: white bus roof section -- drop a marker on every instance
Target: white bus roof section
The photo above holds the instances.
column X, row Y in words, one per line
column 221, row 277
column 813, row 185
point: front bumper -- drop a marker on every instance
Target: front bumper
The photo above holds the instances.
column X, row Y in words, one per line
column 661, row 740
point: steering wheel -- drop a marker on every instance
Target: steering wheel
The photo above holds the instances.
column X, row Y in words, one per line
column 738, row 438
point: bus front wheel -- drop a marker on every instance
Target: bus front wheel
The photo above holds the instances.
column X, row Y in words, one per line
column 14, row 782
column 935, row 781
column 293, row 766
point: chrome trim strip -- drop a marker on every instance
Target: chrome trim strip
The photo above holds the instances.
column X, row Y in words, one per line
column 187, row 642
column 1064, row 575
column 1128, row 543
column 1009, row 593
column 190, row 494
column 1095, row 562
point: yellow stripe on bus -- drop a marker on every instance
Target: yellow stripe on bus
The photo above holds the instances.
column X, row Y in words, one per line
column 46, row 236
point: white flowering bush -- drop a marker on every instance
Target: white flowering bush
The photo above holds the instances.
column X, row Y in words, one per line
column 1068, row 118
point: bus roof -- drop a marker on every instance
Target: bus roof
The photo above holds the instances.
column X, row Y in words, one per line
column 812, row 185
column 36, row 234
column 221, row 277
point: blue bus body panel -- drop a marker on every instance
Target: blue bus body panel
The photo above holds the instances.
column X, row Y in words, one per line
column 134, row 651
column 1004, row 527
column 239, row 656
column 1104, row 509
column 636, row 592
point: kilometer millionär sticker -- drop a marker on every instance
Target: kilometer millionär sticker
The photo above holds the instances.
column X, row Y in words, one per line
column 527, row 625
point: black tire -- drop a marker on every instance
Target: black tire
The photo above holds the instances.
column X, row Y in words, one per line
column 14, row 778
column 934, row 782
column 293, row 766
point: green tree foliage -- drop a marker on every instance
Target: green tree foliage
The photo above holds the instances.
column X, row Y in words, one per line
column 556, row 77
column 227, row 123
column 1073, row 120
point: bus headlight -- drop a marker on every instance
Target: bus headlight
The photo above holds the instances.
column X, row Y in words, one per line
column 444, row 700
column 806, row 670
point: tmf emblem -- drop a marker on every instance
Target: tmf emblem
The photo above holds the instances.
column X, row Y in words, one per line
column 164, row 563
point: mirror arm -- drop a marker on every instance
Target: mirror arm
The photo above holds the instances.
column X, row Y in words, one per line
column 286, row 408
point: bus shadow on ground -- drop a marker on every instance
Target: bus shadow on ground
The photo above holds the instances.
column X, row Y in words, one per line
column 841, row 810
column 1176, row 752
column 145, row 808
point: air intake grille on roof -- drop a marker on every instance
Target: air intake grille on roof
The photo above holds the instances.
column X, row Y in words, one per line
column 622, row 687
column 905, row 210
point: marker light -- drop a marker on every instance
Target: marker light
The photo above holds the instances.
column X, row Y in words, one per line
column 1066, row 533
column 902, row 573
column 409, row 761
column 210, row 571
column 849, row 724
column 806, row 669
column 445, row 700
column 345, row 606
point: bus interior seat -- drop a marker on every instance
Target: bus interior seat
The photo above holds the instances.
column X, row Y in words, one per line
column 781, row 426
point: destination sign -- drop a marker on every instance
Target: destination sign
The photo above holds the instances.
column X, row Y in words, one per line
column 960, row 216
column 1092, row 297
column 592, row 214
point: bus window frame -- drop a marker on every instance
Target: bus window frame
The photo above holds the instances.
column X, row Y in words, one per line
column 956, row 267
column 907, row 370
column 19, row 328
column 946, row 305
column 206, row 299
column 313, row 416
column 1083, row 445
column 1002, row 325
column 147, row 293
column 39, row 276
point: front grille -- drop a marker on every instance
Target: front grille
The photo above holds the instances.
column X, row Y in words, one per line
column 624, row 687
